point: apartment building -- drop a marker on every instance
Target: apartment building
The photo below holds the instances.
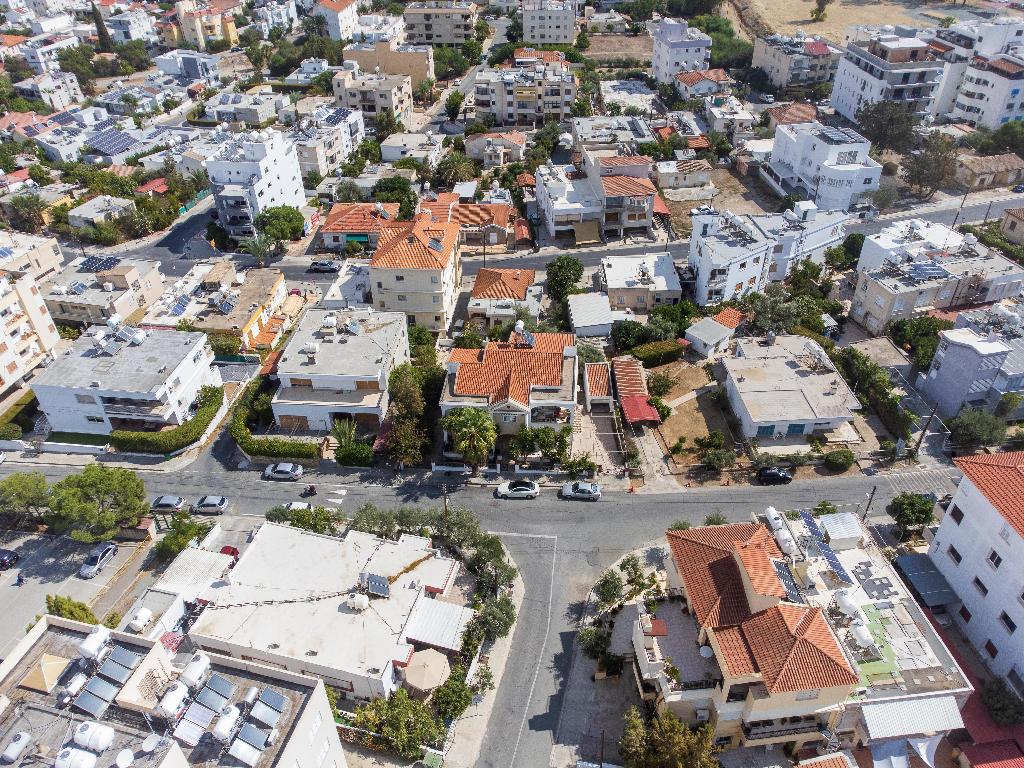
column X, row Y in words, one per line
column 150, row 687
column 981, row 532
column 198, row 25
column 374, row 28
column 787, row 639
column 42, row 51
column 341, row 16
column 336, row 366
column 40, row 256
column 640, row 283
column 57, row 89
column 374, row 93
column 793, row 61
column 892, row 66
column 93, row 289
column 417, row 269
column 250, row 173
column 326, row 139
column 678, row 47
column 830, row 166
column 251, row 109
column 188, row 66
column 547, row 22
column 392, row 56
column 440, row 22
column 132, row 25
column 28, row 333
column 526, row 95
column 275, row 14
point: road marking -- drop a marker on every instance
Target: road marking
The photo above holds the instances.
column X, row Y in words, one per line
column 928, row 481
column 524, row 535
column 337, row 501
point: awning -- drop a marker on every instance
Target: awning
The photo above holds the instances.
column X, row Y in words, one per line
column 587, row 232
column 660, row 206
column 427, row 670
column 887, row 720
column 927, row 582
column 890, row 754
column 927, row 748
column 636, row 409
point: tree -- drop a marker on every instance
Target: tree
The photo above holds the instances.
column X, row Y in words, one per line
column 472, row 432
column 919, row 336
column 1007, row 407
column 23, row 496
column 933, row 167
column 40, row 174
column 819, row 12
column 563, row 274
column 403, row 723
column 319, row 519
column 1003, row 705
column 424, row 92
column 582, row 41
column 91, row 505
column 387, row 124
column 496, row 618
column 483, row 680
column 183, row 530
column 840, row 460
column 594, row 641
column 282, row 222
column 258, row 247
column 453, row 696
column 469, row 339
column 66, row 608
column 397, row 189
column 633, row 746
column 973, row 428
column 103, row 39
column 885, row 196
column 453, row 105
column 314, row 25
column 406, row 393
column 27, row 213
column 348, row 192
column 718, row 459
column 665, row 742
column 608, row 589
column 455, row 167
column 887, row 125
column 911, row 511
column 659, row 384
column 581, row 108
column 771, row 311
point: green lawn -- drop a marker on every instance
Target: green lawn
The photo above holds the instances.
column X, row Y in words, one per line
column 77, row 438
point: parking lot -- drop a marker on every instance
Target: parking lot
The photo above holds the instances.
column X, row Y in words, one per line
column 50, row 567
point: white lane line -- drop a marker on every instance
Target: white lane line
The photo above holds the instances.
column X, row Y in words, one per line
column 337, row 501
column 524, row 535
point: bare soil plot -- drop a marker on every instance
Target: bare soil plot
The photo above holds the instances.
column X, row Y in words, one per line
column 686, row 377
column 620, row 47
column 692, row 419
column 739, row 194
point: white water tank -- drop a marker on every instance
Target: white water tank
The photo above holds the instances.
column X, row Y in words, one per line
column 195, row 671
column 140, row 620
column 786, row 542
column 226, row 723
column 94, row 736
column 18, row 744
column 75, row 758
column 358, row 602
column 92, row 646
column 862, row 634
column 846, row 602
column 171, row 702
column 138, row 337
column 775, row 521
column 114, row 322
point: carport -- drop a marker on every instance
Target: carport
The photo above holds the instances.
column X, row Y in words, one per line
column 926, row 581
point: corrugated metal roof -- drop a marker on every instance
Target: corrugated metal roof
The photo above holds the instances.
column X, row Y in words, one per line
column 589, row 309
column 889, row 719
column 437, row 623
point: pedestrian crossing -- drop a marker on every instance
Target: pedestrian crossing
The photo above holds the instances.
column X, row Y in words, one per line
column 937, row 481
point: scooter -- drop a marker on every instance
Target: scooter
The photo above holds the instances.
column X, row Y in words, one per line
column 309, row 490
column 19, row 580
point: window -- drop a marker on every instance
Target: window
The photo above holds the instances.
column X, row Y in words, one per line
column 85, row 398
column 994, row 559
column 1013, row 677
column 399, row 278
column 94, row 419
column 957, row 514
column 980, row 586
column 1010, row 624
column 766, row 431
column 508, row 418
column 401, row 297
column 991, row 649
column 795, row 429
column 955, row 556
column 965, row 614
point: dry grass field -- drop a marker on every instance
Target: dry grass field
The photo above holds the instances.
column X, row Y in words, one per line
column 619, row 47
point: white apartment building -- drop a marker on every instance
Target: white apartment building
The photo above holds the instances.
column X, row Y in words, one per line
column 991, row 92
column 678, row 48
column 42, row 52
column 830, row 166
column 57, row 89
column 547, row 22
column 40, row 256
column 29, row 334
column 374, row 28
column 527, row 95
column 250, row 173
column 276, row 14
column 424, row 148
column 978, row 548
column 886, row 66
column 640, row 283
column 796, row 60
column 132, row 25
column 93, row 289
column 610, row 132
column 326, row 139
column 188, row 65
column 46, row 25
column 341, row 17
column 108, row 380
column 440, row 22
column 252, row 109
column 727, row 114
column 374, row 93
column 336, row 366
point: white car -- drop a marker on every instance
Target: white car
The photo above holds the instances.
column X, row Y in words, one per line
column 284, row 470
column 518, row 489
column 97, row 559
column 457, row 82
column 581, row 490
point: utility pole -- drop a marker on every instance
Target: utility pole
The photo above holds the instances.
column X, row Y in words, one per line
column 924, row 431
column 871, row 497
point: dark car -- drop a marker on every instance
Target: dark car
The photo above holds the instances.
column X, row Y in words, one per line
column 774, row 476
column 8, row 559
column 1018, row 188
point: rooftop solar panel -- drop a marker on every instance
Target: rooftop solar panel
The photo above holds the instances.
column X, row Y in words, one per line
column 114, row 671
column 786, row 577
column 188, row 733
column 833, row 562
column 210, row 698
column 377, row 586
column 102, row 688
column 273, row 699
column 89, row 265
column 264, row 714
column 90, row 704
column 226, row 307
column 812, row 525
column 5, row 252
column 221, row 686
column 112, row 347
column 253, row 736
column 108, row 263
column 78, row 287
column 124, row 657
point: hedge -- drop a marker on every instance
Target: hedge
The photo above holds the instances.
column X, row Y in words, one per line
column 840, row 460
column 658, row 352
column 270, row 447
column 10, row 431
column 208, row 403
column 355, row 455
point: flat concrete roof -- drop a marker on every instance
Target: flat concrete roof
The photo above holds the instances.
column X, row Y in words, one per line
column 338, row 351
column 655, row 272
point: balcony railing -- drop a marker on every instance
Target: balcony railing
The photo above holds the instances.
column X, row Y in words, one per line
column 787, row 729
column 155, row 410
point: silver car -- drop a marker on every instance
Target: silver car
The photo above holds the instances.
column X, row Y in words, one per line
column 211, row 505
column 168, row 504
column 581, row 490
column 283, row 471
column 97, row 560
column 518, row 489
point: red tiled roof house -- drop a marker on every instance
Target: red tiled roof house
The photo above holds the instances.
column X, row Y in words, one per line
column 498, row 294
column 359, row 223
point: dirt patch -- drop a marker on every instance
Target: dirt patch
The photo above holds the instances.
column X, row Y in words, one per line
column 692, row 419
column 746, row 194
column 620, row 47
column 686, row 377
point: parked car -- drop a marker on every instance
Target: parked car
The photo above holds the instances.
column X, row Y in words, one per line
column 768, row 99
column 97, row 560
column 1018, row 188
column 456, row 82
column 168, row 504
column 8, row 559
column 298, row 506
column 774, row 476
column 284, row 470
column 518, row 489
column 581, row 490
column 324, row 266
column 211, row 505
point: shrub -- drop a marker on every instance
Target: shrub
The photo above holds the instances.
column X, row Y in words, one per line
column 658, row 384
column 718, row 459
column 354, row 455
column 890, row 168
column 1003, row 705
column 716, row 518
column 657, row 352
column 208, row 403
column 579, row 465
column 841, row 460
column 594, row 641
column 270, row 447
column 663, row 409
column 10, row 431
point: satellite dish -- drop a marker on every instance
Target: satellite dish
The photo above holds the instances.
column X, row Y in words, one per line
column 124, row 758
column 151, row 743
column 706, row 652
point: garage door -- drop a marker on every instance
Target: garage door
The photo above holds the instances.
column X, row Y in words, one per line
column 294, row 422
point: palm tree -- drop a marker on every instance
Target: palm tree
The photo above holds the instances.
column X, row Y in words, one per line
column 454, row 168
column 473, row 434
column 27, row 212
column 344, row 431
column 200, row 179
column 258, row 247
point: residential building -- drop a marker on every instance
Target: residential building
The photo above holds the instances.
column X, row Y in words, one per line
column 109, row 380
column 250, row 173
column 683, row 174
column 892, row 66
column 251, row 109
column 440, row 22
column 146, row 683
column 547, row 22
column 480, row 224
column 393, row 604
column 529, row 380
column 906, row 241
column 981, row 531
column 57, row 89
column 342, row 17
column 974, row 172
column 374, row 28
column 424, row 148
column 359, row 223
column 708, row 337
column 198, row 26
column 336, row 366
column 99, row 209
column 417, row 269
column 305, row 107
column 919, row 279
column 46, row 25
column 91, row 290
column 610, row 132
column 605, row 21
column 727, row 114
column 395, row 57
column 526, row 95
column 189, row 155
column 21, row 252
column 698, row 83
column 309, row 69
column 132, row 25
column 830, row 166
column 365, row 181
column 499, row 294
column 797, row 60
column 29, row 335
column 791, row 114
column 592, row 316
column 326, row 139
column 275, row 14
column 42, row 51
column 374, row 93
column 130, row 100
column 53, row 196
column 497, row 149
column 640, row 282
column 991, row 93
column 785, row 666
column 1012, row 225
column 678, row 47
column 188, row 65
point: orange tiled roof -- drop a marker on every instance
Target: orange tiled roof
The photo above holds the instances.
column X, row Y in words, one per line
column 121, row 171
column 419, row 244
column 1005, row 753
column 695, row 76
column 627, row 186
column 629, row 377
column 158, row 185
column 508, row 370
column 598, row 383
column 613, row 162
column 698, row 142
column 797, row 112
column 730, row 318
column 526, row 180
column 337, row 6
column 469, row 215
column 940, row 46
column 755, row 554
column 515, row 137
column 1000, row 478
column 1017, row 213
column 735, row 652
column 533, row 53
column 503, row 283
column 664, row 132
column 7, row 41
column 359, row 217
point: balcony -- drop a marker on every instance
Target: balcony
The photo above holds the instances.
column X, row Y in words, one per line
column 792, row 726
column 12, row 320
column 151, row 410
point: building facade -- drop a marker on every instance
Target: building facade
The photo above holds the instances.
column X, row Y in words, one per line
column 440, row 22
column 326, row 140
column 57, row 89
column 394, row 57
column 547, row 22
column 29, row 334
column 92, row 290
column 678, row 48
column 374, row 93
column 528, row 95
column 340, row 16
column 796, row 61
column 132, row 25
